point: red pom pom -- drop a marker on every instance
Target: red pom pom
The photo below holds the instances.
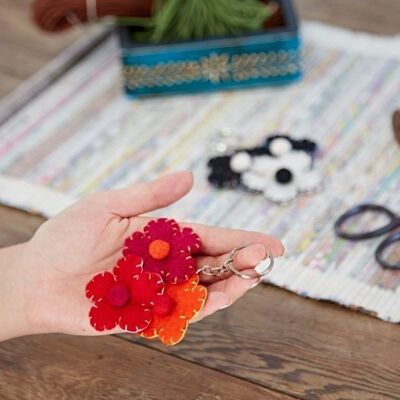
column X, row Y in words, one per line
column 118, row 295
column 163, row 304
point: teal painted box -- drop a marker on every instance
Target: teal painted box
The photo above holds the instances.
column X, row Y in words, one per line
column 269, row 57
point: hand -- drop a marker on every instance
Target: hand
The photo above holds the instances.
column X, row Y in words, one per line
column 87, row 238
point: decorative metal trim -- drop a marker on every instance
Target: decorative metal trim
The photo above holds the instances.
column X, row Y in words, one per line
column 215, row 69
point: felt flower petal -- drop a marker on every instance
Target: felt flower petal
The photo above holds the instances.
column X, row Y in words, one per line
column 189, row 297
column 161, row 228
column 154, row 266
column 187, row 240
column 254, row 181
column 98, row 287
column 134, row 318
column 150, row 332
column 145, row 287
column 137, row 244
column 309, row 182
column 180, row 269
column 170, row 329
column 127, row 268
column 298, row 161
column 192, row 308
column 103, row 316
column 281, row 193
column 173, row 333
column 266, row 166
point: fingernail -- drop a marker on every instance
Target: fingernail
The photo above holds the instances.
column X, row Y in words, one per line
column 255, row 283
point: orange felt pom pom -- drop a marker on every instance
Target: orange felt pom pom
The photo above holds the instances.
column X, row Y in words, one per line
column 188, row 299
column 159, row 249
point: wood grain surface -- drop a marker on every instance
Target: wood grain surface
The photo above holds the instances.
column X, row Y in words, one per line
column 270, row 345
column 108, row 367
column 304, row 348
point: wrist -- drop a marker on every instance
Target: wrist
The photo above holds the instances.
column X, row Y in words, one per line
column 13, row 293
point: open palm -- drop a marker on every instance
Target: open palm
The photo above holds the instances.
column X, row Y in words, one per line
column 87, row 238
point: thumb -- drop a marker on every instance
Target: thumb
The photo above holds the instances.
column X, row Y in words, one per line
column 148, row 196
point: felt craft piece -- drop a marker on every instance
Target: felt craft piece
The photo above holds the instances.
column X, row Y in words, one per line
column 166, row 249
column 281, row 169
column 281, row 179
column 173, row 309
column 138, row 300
column 123, row 297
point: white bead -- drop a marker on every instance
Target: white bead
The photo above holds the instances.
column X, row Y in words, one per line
column 280, row 146
column 221, row 147
column 240, row 162
column 225, row 131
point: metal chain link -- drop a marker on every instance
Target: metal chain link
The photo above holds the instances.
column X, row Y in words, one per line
column 213, row 271
column 228, row 265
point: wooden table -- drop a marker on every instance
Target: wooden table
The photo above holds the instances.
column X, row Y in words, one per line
column 270, row 345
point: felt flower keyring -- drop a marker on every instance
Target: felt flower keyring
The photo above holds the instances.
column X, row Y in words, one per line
column 281, row 168
column 154, row 289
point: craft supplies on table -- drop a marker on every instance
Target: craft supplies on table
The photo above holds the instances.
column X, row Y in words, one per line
column 154, row 290
column 345, row 230
column 186, row 46
column 281, row 168
column 57, row 16
column 269, row 57
column 80, row 135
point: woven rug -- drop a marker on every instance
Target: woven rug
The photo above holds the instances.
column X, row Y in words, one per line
column 81, row 134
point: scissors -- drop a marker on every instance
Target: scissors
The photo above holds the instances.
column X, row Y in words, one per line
column 394, row 222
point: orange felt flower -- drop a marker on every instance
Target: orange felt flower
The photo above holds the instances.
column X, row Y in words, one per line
column 173, row 309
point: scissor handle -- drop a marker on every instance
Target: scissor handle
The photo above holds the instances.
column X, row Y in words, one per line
column 395, row 237
column 394, row 221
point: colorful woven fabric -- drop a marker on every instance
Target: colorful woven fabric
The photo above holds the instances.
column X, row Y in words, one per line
column 82, row 135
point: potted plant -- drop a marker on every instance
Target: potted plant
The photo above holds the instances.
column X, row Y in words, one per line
column 205, row 45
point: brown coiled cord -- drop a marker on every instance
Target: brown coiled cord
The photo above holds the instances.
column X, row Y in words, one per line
column 59, row 15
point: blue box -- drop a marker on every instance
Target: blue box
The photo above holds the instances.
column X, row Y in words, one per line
column 269, row 57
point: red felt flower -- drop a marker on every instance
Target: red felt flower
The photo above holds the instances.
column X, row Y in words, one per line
column 123, row 297
column 166, row 249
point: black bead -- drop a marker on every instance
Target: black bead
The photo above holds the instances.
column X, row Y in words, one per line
column 283, row 176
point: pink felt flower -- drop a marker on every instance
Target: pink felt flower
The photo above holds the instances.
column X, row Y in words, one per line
column 166, row 249
column 123, row 297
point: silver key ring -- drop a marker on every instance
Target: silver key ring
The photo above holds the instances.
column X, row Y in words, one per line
column 229, row 265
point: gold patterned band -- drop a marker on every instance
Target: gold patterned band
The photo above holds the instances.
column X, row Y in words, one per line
column 215, row 68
